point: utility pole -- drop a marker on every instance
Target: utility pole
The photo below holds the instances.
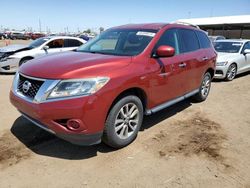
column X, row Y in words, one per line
column 40, row 26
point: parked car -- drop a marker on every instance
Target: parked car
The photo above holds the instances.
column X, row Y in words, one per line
column 84, row 37
column 2, row 36
column 19, row 35
column 101, row 91
column 233, row 58
column 11, row 57
column 213, row 39
column 35, row 36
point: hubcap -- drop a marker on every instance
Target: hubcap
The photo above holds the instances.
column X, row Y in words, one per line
column 231, row 72
column 126, row 121
column 205, row 86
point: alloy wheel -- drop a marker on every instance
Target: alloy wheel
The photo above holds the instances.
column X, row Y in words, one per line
column 206, row 85
column 127, row 121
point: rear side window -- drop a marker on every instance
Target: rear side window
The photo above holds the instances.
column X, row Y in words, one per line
column 204, row 41
column 71, row 43
column 189, row 40
column 169, row 38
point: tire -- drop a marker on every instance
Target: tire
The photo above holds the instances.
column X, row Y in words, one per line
column 231, row 72
column 24, row 61
column 123, row 122
column 204, row 88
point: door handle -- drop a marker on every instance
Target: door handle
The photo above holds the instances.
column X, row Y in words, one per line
column 204, row 58
column 182, row 65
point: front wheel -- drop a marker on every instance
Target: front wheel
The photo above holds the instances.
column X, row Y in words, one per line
column 123, row 122
column 204, row 88
column 231, row 72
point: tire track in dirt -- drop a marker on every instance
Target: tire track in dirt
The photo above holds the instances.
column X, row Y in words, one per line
column 197, row 135
column 12, row 151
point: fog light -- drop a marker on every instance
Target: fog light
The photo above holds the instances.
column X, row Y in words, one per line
column 75, row 124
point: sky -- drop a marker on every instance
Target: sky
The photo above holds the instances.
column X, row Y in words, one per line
column 74, row 15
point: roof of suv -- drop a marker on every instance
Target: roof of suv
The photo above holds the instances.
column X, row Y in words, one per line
column 154, row 26
column 142, row 26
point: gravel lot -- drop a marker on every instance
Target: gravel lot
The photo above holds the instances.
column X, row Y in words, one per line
column 188, row 145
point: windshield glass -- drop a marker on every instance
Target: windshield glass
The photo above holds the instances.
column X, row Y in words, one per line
column 38, row 42
column 228, row 47
column 123, row 42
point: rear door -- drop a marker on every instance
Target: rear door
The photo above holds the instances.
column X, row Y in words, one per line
column 193, row 57
column 170, row 79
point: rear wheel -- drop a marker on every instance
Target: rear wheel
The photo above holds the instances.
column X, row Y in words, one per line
column 123, row 122
column 204, row 88
column 231, row 72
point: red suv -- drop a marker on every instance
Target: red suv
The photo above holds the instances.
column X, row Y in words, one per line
column 102, row 90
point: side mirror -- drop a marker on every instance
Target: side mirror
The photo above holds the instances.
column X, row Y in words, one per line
column 165, row 51
column 246, row 51
column 46, row 48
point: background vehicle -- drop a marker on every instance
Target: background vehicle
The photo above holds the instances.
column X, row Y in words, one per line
column 11, row 57
column 233, row 58
column 35, row 36
column 213, row 39
column 2, row 36
column 84, row 37
column 19, row 35
column 102, row 90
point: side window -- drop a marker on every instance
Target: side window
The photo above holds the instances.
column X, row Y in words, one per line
column 246, row 46
column 72, row 43
column 57, row 43
column 189, row 40
column 203, row 39
column 169, row 38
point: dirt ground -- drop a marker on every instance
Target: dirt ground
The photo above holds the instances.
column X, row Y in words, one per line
column 187, row 145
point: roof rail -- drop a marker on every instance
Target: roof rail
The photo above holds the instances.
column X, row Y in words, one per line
column 186, row 23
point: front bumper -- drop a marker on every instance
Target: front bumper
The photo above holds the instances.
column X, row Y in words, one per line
column 45, row 116
column 9, row 66
column 220, row 72
column 78, row 139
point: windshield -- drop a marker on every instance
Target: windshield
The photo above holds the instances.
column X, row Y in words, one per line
column 228, row 47
column 38, row 42
column 123, row 42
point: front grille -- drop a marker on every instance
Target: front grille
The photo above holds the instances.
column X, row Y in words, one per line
column 33, row 88
column 219, row 72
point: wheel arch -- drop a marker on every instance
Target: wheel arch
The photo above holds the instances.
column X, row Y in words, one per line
column 139, row 92
column 24, row 58
column 211, row 71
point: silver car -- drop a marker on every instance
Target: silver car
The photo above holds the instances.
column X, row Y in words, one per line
column 11, row 57
column 233, row 58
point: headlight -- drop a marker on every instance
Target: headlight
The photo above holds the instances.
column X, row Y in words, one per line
column 4, row 59
column 222, row 63
column 69, row 88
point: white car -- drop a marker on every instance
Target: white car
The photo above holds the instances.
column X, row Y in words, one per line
column 233, row 58
column 11, row 57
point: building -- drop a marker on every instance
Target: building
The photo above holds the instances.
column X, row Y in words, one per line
column 229, row 26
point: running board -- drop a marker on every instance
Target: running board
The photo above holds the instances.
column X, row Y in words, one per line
column 170, row 103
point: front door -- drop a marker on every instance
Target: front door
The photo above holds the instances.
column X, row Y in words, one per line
column 244, row 64
column 168, row 82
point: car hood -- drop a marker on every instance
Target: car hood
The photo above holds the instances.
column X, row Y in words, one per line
column 226, row 56
column 13, row 48
column 70, row 65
